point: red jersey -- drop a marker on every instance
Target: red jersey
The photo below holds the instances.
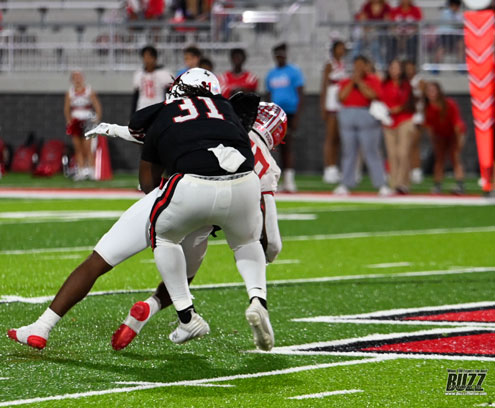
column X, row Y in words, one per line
column 413, row 13
column 393, row 96
column 231, row 82
column 356, row 99
column 444, row 125
column 384, row 13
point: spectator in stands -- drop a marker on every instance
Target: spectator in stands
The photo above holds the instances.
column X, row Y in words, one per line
column 145, row 9
column 358, row 129
column 285, row 86
column 82, row 110
column 374, row 38
column 450, row 41
column 207, row 64
column 405, row 43
column 447, row 131
column 192, row 56
column 418, row 87
column 397, row 95
column 335, row 71
column 237, row 79
column 151, row 81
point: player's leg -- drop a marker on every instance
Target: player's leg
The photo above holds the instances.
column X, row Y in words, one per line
column 176, row 213
column 242, row 229
column 194, row 247
column 126, row 238
column 78, row 156
column 88, row 158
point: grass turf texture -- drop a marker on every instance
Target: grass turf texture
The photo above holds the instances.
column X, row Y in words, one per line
column 79, row 358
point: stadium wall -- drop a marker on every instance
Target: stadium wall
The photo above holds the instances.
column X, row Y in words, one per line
column 42, row 113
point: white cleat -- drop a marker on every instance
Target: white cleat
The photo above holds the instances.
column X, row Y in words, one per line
column 331, row 175
column 258, row 319
column 385, row 191
column 197, row 327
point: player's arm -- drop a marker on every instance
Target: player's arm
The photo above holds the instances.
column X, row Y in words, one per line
column 295, row 122
column 96, row 105
column 272, row 241
column 135, row 97
column 150, row 175
column 112, row 130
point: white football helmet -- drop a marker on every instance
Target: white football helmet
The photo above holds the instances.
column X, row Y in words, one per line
column 196, row 77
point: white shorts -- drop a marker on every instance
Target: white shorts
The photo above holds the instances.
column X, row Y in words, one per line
column 130, row 235
column 188, row 203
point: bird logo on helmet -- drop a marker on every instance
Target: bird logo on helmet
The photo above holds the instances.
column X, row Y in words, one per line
column 271, row 124
column 195, row 82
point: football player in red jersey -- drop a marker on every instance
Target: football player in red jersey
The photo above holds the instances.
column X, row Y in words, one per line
column 237, row 79
column 268, row 131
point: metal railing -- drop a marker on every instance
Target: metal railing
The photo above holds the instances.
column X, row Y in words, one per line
column 434, row 46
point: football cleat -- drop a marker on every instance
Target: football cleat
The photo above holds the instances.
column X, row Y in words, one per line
column 136, row 319
column 31, row 335
column 197, row 327
column 258, row 319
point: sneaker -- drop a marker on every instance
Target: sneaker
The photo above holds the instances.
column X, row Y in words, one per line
column 197, row 327
column 341, row 190
column 258, row 319
column 402, row 190
column 331, row 175
column 34, row 335
column 385, row 191
column 416, row 176
column 136, row 319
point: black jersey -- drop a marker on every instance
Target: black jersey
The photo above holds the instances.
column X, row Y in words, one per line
column 179, row 133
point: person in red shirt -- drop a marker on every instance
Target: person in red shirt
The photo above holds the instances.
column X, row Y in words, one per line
column 397, row 95
column 237, row 79
column 358, row 129
column 405, row 43
column 447, row 131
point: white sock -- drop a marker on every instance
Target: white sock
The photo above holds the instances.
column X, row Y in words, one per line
column 48, row 319
column 154, row 305
column 171, row 263
column 250, row 261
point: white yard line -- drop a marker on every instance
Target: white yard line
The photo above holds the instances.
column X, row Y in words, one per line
column 319, row 237
column 481, row 269
column 388, row 265
column 324, row 394
column 200, row 382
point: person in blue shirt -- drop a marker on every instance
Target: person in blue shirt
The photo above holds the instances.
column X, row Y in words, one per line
column 285, row 86
column 192, row 57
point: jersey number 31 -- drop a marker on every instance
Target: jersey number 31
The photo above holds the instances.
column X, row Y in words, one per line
column 188, row 106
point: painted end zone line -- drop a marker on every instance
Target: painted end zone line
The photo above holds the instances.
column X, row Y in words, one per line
column 481, row 269
column 199, row 382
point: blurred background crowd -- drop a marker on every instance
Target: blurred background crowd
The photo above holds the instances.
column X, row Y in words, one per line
column 375, row 87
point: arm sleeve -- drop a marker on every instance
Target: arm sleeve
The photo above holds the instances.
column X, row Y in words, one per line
column 274, row 241
column 143, row 118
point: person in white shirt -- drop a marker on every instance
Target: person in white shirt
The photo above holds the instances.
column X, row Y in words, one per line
column 151, row 82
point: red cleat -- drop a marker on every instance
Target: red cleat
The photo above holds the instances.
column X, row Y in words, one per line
column 34, row 341
column 123, row 337
column 134, row 322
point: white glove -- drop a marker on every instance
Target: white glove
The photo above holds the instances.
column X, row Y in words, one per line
column 105, row 129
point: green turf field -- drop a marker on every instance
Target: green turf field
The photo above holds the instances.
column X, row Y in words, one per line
column 338, row 260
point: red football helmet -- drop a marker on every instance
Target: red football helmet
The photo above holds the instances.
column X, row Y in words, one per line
column 271, row 124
